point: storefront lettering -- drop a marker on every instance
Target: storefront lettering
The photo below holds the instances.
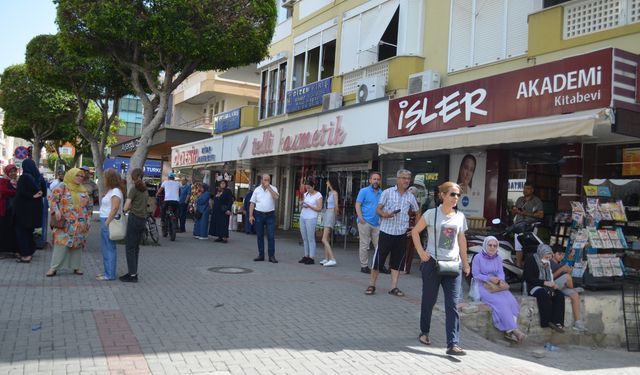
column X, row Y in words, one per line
column 187, row 157
column 206, row 156
column 448, row 108
column 576, row 98
column 559, row 82
column 331, row 135
column 264, row 146
column 131, row 145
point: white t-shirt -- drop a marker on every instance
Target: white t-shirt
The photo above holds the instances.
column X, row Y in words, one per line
column 448, row 229
column 105, row 203
column 311, row 200
column 171, row 190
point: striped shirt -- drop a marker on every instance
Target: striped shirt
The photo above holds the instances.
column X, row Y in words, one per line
column 391, row 200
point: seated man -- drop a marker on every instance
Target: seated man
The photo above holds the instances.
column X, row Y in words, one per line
column 562, row 277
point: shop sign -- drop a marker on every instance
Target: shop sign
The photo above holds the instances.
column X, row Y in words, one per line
column 131, row 145
column 569, row 85
column 151, row 168
column 330, row 134
column 516, row 184
column 193, row 154
column 227, row 121
column 308, row 96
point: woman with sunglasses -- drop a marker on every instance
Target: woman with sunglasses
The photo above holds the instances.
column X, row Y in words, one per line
column 494, row 290
column 447, row 224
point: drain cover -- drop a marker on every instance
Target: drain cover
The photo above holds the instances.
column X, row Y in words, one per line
column 231, row 270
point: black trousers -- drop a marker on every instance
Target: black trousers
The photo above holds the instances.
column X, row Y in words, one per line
column 26, row 243
column 551, row 308
column 135, row 228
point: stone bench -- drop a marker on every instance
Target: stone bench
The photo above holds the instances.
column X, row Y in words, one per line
column 601, row 311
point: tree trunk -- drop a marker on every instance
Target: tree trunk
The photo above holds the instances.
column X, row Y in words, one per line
column 98, row 161
column 37, row 149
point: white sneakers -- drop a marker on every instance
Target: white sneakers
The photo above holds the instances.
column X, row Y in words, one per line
column 330, row 263
column 323, row 261
column 579, row 326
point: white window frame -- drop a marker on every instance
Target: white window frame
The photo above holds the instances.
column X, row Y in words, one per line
column 269, row 112
column 326, row 33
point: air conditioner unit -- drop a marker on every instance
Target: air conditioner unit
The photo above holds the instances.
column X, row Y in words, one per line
column 331, row 100
column 288, row 3
column 423, row 81
column 370, row 88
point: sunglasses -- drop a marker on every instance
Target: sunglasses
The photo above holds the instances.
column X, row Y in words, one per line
column 454, row 195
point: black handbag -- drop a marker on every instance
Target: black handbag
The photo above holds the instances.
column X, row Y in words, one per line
column 444, row 267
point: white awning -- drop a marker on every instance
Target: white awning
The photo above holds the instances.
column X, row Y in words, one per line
column 532, row 129
column 374, row 23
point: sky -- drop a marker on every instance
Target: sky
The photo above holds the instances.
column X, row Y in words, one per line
column 20, row 21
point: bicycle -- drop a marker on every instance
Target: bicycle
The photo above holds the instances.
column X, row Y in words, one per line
column 150, row 231
column 170, row 224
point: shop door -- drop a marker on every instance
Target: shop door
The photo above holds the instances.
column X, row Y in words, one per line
column 346, row 229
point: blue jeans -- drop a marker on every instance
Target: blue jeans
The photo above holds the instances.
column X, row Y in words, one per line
column 268, row 219
column 308, row 231
column 109, row 252
column 182, row 216
column 431, row 282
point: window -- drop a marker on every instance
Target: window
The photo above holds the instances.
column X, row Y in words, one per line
column 380, row 29
column 314, row 58
column 273, row 83
column 284, row 14
column 131, row 129
column 485, row 31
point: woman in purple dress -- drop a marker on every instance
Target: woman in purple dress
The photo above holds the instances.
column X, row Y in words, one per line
column 487, row 269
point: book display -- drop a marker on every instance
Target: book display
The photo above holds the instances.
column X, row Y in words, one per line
column 595, row 240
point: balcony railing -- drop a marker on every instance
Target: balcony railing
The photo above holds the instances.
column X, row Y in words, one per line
column 591, row 16
column 199, row 123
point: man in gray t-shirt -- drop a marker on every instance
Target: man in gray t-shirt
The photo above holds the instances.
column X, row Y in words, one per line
column 528, row 209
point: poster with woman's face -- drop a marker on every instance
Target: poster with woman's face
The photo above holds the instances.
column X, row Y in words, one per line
column 468, row 170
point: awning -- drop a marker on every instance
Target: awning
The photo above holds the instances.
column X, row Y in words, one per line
column 532, row 129
column 374, row 23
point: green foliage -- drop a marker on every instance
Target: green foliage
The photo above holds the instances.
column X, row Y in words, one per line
column 32, row 109
column 52, row 158
column 161, row 34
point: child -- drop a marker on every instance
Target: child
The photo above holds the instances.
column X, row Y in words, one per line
column 562, row 277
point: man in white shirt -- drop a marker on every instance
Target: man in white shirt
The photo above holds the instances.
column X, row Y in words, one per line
column 171, row 189
column 262, row 211
column 57, row 181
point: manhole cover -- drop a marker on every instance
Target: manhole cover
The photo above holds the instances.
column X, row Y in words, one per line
column 232, row 270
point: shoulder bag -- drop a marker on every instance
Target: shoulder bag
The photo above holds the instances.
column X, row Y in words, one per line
column 118, row 226
column 55, row 223
column 444, row 267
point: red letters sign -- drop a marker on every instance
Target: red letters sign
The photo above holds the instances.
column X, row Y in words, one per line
column 573, row 84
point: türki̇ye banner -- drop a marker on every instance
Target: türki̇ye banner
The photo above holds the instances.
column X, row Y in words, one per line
column 569, row 85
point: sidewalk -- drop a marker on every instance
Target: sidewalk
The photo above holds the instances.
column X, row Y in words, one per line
column 284, row 318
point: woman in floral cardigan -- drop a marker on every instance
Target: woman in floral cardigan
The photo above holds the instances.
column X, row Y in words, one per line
column 70, row 201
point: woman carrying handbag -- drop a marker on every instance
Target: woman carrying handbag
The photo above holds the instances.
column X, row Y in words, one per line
column 110, row 210
column 71, row 214
column 440, row 264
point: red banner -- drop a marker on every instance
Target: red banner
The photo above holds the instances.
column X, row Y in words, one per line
column 565, row 86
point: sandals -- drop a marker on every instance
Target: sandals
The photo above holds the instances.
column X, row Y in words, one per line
column 396, row 292
column 370, row 290
column 424, row 339
column 456, row 350
column 51, row 273
column 23, row 260
column 78, row 272
column 102, row 278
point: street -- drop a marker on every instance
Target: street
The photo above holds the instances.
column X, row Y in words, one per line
column 285, row 318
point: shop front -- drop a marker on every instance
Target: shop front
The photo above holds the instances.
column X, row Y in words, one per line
column 553, row 124
column 338, row 143
column 199, row 161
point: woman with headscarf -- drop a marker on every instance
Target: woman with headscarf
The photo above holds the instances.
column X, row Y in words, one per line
column 8, row 184
column 201, row 211
column 70, row 200
column 27, row 209
column 494, row 291
column 221, row 212
column 540, row 284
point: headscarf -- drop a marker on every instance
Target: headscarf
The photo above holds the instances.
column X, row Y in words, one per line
column 8, row 169
column 75, row 189
column 31, row 172
column 544, row 268
column 485, row 244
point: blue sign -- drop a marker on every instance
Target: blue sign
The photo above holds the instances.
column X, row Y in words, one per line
column 465, row 201
column 227, row 121
column 308, row 96
column 151, row 168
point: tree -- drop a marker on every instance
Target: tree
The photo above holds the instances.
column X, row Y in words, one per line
column 159, row 43
column 33, row 111
column 95, row 83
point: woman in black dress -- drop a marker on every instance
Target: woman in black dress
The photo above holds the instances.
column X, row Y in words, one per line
column 222, row 203
column 27, row 209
